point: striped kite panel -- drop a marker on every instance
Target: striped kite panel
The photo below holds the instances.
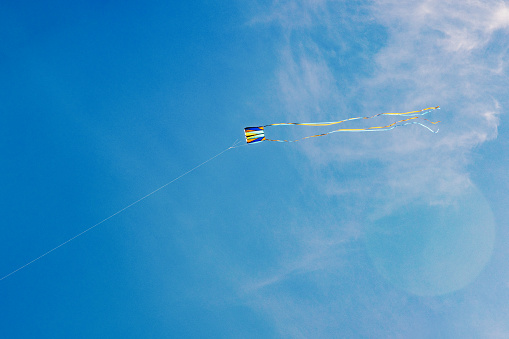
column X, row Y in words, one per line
column 254, row 134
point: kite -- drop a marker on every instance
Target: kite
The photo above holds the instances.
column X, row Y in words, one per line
column 257, row 134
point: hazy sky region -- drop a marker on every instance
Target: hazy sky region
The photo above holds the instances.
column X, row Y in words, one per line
column 397, row 234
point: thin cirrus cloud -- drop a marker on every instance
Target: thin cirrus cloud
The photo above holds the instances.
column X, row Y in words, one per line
column 407, row 55
column 434, row 53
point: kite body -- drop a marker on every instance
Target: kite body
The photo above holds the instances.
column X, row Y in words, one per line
column 257, row 134
column 254, row 134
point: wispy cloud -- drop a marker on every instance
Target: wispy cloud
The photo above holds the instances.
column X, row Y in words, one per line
column 408, row 55
column 436, row 53
column 318, row 254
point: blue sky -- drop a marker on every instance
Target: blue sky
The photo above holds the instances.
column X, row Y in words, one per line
column 395, row 234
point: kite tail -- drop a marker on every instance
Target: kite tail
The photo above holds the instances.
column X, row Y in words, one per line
column 257, row 134
column 399, row 123
column 329, row 123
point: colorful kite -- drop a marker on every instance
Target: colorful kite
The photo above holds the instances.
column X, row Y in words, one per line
column 257, row 134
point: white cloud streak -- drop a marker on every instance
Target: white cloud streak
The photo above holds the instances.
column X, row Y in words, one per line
column 437, row 53
column 432, row 52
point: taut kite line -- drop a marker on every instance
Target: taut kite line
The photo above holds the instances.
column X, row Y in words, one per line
column 257, row 134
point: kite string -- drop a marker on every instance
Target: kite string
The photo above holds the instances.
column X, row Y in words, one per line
column 119, row 211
